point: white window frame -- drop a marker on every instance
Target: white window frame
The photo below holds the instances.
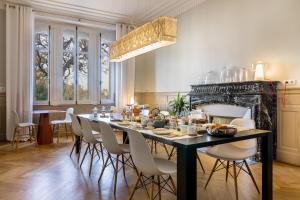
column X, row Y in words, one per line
column 55, row 64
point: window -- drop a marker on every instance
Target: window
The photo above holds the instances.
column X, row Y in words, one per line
column 82, row 72
column 68, row 75
column 68, row 66
column 107, row 72
column 41, row 65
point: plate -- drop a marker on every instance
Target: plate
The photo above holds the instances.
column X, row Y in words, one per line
column 161, row 131
column 124, row 123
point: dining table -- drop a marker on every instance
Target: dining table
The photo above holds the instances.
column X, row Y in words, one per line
column 44, row 135
column 187, row 146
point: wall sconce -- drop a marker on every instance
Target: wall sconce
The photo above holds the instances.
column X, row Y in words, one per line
column 259, row 71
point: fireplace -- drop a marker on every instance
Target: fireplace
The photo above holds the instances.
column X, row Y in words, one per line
column 258, row 98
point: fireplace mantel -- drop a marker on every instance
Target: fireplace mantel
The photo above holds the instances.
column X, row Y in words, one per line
column 259, row 96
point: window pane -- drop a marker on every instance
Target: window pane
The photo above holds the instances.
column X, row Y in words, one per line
column 105, row 72
column 41, row 66
column 83, row 77
column 41, row 76
column 41, row 41
column 68, row 65
column 68, row 41
column 83, row 67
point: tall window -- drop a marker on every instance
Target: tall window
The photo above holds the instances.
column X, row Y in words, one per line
column 68, row 65
column 82, row 72
column 76, row 65
column 41, row 65
column 107, row 74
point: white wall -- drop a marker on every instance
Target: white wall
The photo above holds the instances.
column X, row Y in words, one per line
column 2, row 47
column 221, row 33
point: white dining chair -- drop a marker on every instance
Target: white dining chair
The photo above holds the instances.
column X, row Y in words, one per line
column 236, row 153
column 61, row 126
column 148, row 166
column 112, row 147
column 76, row 130
column 92, row 139
column 20, row 130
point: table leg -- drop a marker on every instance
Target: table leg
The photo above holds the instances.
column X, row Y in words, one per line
column 125, row 138
column 267, row 167
column 77, row 144
column 186, row 173
column 44, row 135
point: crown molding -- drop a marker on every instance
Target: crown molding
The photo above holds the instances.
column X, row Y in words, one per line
column 163, row 8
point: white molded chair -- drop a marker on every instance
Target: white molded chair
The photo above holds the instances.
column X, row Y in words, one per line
column 20, row 130
column 56, row 124
column 76, row 129
column 113, row 147
column 234, row 152
column 149, row 166
column 92, row 139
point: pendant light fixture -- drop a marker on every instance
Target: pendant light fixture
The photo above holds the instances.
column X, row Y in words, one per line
column 152, row 35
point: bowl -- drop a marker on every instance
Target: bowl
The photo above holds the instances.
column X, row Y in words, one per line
column 222, row 131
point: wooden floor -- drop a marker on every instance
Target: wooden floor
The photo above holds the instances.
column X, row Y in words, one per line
column 47, row 173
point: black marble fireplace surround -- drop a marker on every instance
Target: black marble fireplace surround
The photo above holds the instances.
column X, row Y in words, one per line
column 259, row 96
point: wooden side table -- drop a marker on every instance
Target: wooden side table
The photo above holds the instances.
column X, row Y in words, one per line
column 44, row 135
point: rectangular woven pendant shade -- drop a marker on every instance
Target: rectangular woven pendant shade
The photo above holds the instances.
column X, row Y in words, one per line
column 152, row 35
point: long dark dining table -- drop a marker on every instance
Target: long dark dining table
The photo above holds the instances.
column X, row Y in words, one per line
column 187, row 151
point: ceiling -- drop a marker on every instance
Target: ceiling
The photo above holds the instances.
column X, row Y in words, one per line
column 113, row 11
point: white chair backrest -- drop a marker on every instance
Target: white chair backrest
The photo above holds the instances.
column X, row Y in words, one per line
column 76, row 128
column 248, row 124
column 16, row 117
column 68, row 113
column 141, row 154
column 87, row 131
column 109, row 139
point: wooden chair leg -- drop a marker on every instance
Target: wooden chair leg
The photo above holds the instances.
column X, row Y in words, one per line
column 30, row 134
column 152, row 188
column 166, row 149
column 14, row 137
column 66, row 130
column 86, row 150
column 227, row 170
column 73, row 147
column 211, row 173
column 159, row 189
column 171, row 154
column 251, row 175
column 35, row 136
column 92, row 158
column 116, row 175
column 103, row 168
column 235, row 181
column 135, row 186
column 123, row 166
column 199, row 160
column 80, row 145
column 173, row 184
column 101, row 151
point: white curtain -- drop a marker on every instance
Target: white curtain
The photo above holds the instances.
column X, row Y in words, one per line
column 125, row 74
column 19, row 41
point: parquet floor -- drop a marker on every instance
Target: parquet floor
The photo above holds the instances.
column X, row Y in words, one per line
column 48, row 173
